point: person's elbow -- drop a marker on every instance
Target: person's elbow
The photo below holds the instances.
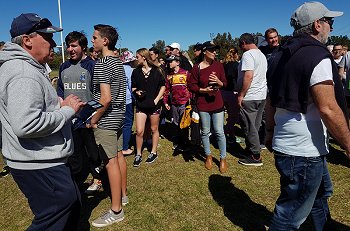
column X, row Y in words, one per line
column 328, row 111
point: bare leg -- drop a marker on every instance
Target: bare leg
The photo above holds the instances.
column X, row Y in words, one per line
column 140, row 128
column 115, row 181
column 123, row 171
column 154, row 119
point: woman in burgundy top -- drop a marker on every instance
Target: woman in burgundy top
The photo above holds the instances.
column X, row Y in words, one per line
column 206, row 80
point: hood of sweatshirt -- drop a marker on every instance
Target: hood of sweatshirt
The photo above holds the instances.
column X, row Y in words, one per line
column 297, row 42
column 13, row 51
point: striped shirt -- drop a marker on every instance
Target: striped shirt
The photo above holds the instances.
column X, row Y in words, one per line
column 109, row 70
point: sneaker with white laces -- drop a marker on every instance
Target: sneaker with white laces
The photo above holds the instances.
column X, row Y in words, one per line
column 151, row 158
column 125, row 200
column 137, row 160
column 94, row 187
column 108, row 218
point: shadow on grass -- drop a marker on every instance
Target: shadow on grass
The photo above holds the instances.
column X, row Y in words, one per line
column 337, row 157
column 236, row 150
column 89, row 202
column 237, row 205
column 193, row 153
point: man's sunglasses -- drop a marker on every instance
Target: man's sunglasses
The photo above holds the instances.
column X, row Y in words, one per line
column 327, row 20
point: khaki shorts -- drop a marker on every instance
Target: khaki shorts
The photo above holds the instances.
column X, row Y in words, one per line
column 111, row 142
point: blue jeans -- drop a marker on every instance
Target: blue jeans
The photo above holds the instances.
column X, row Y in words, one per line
column 129, row 118
column 305, row 188
column 218, row 124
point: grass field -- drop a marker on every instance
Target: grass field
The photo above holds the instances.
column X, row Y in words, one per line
column 178, row 193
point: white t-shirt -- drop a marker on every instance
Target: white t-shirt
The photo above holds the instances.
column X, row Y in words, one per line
column 300, row 134
column 253, row 60
column 345, row 62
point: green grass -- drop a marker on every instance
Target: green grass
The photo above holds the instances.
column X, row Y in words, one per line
column 178, row 193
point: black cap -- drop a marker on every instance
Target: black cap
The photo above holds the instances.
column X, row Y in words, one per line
column 209, row 45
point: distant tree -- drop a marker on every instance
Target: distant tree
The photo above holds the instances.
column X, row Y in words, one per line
column 56, row 62
column 225, row 41
column 343, row 40
column 191, row 52
column 160, row 45
column 2, row 43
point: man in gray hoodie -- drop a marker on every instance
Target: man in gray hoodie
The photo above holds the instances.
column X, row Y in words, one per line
column 37, row 137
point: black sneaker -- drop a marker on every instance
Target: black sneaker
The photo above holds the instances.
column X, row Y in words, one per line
column 5, row 171
column 251, row 161
column 151, row 158
column 138, row 160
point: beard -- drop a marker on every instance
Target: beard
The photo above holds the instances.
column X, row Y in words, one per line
column 323, row 38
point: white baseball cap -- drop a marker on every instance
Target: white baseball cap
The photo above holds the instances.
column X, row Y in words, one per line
column 310, row 12
column 175, row 46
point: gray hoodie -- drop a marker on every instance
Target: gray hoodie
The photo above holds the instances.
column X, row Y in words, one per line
column 36, row 131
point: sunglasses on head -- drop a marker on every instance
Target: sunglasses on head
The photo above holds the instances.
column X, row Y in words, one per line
column 42, row 24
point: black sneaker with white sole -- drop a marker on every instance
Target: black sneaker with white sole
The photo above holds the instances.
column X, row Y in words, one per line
column 5, row 171
column 251, row 161
column 137, row 160
column 151, row 158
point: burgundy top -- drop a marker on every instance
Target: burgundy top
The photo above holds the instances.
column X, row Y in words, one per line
column 206, row 102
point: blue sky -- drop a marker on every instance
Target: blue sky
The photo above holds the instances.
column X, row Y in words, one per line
column 141, row 23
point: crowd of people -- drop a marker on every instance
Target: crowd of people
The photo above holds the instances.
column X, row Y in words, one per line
column 281, row 96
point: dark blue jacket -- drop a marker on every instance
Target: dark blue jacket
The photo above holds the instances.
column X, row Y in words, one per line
column 290, row 72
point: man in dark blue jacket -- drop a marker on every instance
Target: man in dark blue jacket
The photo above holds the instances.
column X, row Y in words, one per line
column 305, row 104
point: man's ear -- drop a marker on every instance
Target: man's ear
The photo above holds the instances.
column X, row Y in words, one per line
column 27, row 41
column 316, row 26
column 105, row 41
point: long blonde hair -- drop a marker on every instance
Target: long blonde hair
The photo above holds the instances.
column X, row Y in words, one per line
column 231, row 55
column 144, row 52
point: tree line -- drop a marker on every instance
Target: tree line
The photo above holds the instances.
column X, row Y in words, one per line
column 224, row 40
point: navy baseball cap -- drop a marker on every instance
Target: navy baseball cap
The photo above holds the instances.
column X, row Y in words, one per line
column 31, row 22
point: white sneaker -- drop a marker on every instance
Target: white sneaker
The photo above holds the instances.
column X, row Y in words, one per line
column 94, row 187
column 107, row 219
column 125, row 200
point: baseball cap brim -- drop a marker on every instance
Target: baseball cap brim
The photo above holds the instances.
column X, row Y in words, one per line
column 333, row 14
column 50, row 29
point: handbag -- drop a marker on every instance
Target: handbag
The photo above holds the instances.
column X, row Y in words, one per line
column 186, row 117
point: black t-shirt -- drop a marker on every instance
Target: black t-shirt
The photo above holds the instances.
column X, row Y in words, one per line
column 185, row 64
column 269, row 53
column 231, row 73
column 150, row 85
